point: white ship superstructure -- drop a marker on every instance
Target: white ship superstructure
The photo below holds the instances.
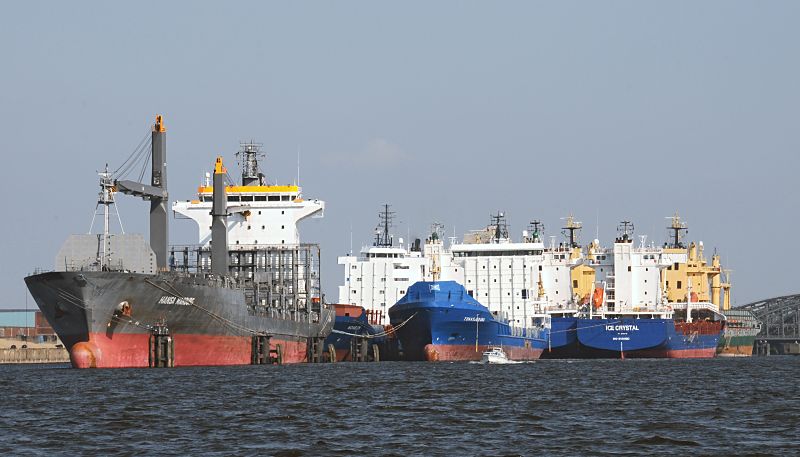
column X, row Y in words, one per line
column 517, row 281
column 259, row 214
column 629, row 276
column 381, row 274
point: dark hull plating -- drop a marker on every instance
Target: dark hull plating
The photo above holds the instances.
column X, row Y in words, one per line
column 209, row 324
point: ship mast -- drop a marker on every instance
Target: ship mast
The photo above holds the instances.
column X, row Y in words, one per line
column 382, row 237
column 678, row 229
column 249, row 153
column 537, row 230
column 500, row 225
column 625, row 229
column 570, row 229
column 106, row 198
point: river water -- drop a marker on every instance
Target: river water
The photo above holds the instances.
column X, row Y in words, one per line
column 601, row 407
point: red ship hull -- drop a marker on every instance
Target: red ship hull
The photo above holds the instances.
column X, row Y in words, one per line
column 133, row 351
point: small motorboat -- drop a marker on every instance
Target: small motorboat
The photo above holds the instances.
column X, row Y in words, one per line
column 495, row 355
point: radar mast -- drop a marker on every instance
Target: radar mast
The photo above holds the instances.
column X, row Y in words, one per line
column 570, row 229
column 249, row 153
column 500, row 225
column 625, row 229
column 382, row 237
column 536, row 228
column 677, row 230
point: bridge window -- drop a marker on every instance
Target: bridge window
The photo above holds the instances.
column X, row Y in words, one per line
column 247, row 198
column 274, row 198
column 260, row 198
column 233, row 198
column 284, row 198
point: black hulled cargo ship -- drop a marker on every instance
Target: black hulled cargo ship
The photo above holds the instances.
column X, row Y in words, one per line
column 248, row 293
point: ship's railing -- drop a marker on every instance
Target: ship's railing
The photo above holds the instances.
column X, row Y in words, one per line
column 277, row 280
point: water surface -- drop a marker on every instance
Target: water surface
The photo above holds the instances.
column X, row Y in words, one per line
column 613, row 407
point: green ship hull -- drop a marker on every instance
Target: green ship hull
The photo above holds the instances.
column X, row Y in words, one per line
column 741, row 329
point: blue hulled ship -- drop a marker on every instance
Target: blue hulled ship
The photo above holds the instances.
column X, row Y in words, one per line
column 440, row 321
column 656, row 337
column 353, row 337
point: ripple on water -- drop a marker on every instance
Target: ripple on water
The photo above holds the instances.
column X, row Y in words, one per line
column 630, row 408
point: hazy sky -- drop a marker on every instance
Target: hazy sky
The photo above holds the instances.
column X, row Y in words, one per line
column 446, row 110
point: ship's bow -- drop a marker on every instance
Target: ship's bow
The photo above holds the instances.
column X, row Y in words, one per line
column 89, row 326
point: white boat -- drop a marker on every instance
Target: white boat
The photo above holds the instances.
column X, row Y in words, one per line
column 495, row 355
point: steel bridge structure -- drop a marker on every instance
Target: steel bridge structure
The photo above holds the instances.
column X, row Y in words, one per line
column 780, row 325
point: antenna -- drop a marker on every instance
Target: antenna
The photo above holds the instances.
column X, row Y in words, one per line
column 676, row 231
column 597, row 225
column 382, row 237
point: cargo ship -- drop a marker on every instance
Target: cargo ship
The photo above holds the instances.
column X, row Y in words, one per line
column 440, row 321
column 638, row 309
column 740, row 333
column 247, row 293
column 514, row 280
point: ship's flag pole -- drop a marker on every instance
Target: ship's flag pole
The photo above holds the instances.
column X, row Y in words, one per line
column 476, row 332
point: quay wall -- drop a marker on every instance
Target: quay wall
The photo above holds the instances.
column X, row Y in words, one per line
column 34, row 355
